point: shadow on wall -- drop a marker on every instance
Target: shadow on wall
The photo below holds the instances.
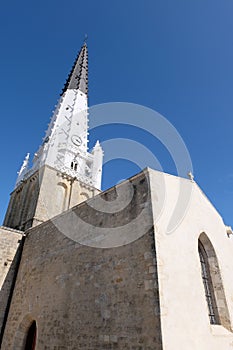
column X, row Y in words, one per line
column 7, row 289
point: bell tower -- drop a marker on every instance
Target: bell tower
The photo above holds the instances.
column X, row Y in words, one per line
column 63, row 172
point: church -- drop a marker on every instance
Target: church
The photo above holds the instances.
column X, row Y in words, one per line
column 86, row 269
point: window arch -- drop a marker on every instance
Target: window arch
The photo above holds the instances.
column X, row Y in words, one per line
column 61, row 194
column 212, row 281
column 26, row 334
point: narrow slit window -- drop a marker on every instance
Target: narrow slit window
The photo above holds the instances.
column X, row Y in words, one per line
column 208, row 286
column 31, row 337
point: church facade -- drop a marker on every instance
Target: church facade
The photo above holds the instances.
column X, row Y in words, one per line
column 85, row 269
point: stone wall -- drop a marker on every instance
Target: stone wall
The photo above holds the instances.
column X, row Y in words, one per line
column 44, row 195
column 90, row 297
column 10, row 241
column 23, row 202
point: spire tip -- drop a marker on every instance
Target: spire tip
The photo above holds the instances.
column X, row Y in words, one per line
column 85, row 39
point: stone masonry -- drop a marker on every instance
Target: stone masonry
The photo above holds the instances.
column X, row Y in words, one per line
column 10, row 241
column 87, row 297
column 122, row 271
column 31, row 204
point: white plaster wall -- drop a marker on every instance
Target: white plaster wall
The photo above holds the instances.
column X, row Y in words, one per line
column 71, row 119
column 184, row 312
column 67, row 141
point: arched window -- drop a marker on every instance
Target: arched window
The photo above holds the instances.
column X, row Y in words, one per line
column 208, row 285
column 61, row 197
column 212, row 281
column 31, row 337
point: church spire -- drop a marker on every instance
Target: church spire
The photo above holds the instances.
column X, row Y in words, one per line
column 65, row 145
column 63, row 171
column 78, row 77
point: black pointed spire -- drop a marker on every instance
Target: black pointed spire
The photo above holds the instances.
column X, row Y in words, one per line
column 78, row 77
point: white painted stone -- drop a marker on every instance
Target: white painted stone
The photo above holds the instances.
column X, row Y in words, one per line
column 184, row 313
column 65, row 145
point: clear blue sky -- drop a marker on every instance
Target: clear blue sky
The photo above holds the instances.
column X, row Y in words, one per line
column 174, row 56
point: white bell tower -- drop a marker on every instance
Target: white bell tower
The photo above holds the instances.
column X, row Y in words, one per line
column 63, row 172
column 65, row 145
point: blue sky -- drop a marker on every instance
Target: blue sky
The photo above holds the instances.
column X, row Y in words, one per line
column 175, row 57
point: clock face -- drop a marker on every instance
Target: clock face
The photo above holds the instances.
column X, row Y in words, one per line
column 77, row 141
